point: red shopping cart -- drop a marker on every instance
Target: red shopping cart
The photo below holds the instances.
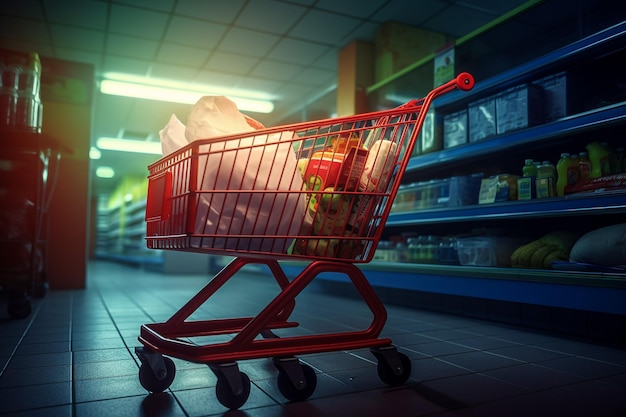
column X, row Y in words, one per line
column 318, row 192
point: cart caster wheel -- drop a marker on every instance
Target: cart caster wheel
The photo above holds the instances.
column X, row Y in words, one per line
column 19, row 308
column 301, row 392
column 227, row 397
column 388, row 375
column 151, row 382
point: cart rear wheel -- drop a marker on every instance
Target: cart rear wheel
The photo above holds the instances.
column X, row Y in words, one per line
column 294, row 393
column 227, row 397
column 388, row 375
column 19, row 307
column 151, row 382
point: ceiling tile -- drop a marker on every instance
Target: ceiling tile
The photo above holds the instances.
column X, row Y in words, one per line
column 173, row 72
column 23, row 29
column 194, row 32
column 137, row 22
column 30, row 9
column 297, row 51
column 315, row 76
column 355, row 8
column 324, row 27
column 247, row 42
column 161, row 5
column 212, row 10
column 328, row 60
column 80, row 56
column 494, row 7
column 270, row 16
column 457, row 21
column 409, row 12
column 237, row 64
column 366, row 31
column 218, row 78
column 131, row 46
column 75, row 38
column 274, row 70
column 182, row 55
column 84, row 13
column 258, row 85
column 126, row 65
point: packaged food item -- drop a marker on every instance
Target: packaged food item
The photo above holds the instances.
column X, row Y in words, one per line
column 546, row 177
column 339, row 165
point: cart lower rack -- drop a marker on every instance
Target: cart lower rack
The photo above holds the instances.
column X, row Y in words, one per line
column 318, row 192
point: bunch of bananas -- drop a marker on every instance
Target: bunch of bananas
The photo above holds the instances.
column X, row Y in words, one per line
column 554, row 246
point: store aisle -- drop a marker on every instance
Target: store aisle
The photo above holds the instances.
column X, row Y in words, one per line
column 73, row 357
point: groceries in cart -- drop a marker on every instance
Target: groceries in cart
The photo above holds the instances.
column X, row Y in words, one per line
column 279, row 191
column 250, row 163
column 340, row 180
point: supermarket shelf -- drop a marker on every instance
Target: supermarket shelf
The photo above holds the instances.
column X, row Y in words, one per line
column 583, row 291
column 608, row 203
column 611, row 38
column 597, row 118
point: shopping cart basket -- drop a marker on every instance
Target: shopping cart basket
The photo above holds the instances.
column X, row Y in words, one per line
column 342, row 175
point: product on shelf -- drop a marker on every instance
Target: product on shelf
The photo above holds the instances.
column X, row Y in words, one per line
column 498, row 188
column 455, row 129
column 604, row 246
column 526, row 185
column 554, row 246
column 482, row 119
column 600, row 162
column 546, row 178
column 584, row 165
column 487, row 250
column 567, row 172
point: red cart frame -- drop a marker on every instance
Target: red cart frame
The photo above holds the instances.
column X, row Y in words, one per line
column 331, row 214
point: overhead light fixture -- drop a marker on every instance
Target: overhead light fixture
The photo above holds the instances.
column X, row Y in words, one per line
column 105, row 172
column 128, row 145
column 178, row 92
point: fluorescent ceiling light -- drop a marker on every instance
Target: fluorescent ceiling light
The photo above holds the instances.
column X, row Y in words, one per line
column 105, row 172
column 178, row 92
column 128, row 145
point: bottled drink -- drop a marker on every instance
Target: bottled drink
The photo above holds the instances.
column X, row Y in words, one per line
column 546, row 178
column 600, row 162
column 529, row 169
column 584, row 165
column 567, row 170
column 573, row 170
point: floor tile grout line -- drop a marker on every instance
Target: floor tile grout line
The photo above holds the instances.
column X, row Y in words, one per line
column 33, row 315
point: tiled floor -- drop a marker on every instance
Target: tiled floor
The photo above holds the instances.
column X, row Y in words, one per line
column 73, row 356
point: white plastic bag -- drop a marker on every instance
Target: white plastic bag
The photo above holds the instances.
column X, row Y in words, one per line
column 240, row 164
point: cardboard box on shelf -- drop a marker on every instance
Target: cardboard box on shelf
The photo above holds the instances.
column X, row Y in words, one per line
column 482, row 119
column 519, row 107
column 398, row 45
column 455, row 129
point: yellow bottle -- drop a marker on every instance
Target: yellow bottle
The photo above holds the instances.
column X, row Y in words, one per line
column 567, row 172
column 600, row 161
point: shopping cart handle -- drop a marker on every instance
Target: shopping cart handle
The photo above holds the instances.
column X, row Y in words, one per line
column 465, row 81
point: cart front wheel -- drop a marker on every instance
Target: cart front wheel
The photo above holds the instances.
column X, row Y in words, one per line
column 389, row 376
column 151, row 382
column 227, row 397
column 301, row 392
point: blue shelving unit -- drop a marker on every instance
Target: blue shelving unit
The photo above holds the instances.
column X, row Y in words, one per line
column 588, row 291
